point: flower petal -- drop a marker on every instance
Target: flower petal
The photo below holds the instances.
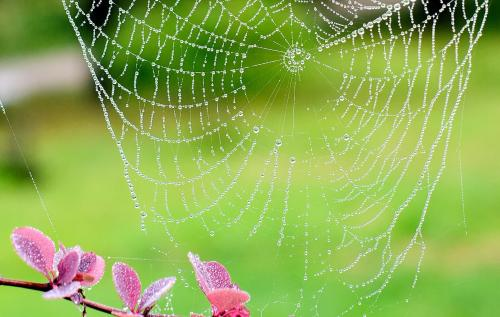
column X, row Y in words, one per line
column 155, row 291
column 92, row 269
column 35, row 248
column 227, row 298
column 127, row 285
column 62, row 291
column 68, row 267
column 210, row 275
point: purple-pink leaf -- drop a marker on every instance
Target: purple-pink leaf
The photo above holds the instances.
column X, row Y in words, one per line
column 154, row 292
column 58, row 256
column 210, row 275
column 218, row 275
column 227, row 298
column 127, row 285
column 61, row 253
column 87, row 262
column 62, row 291
column 36, row 249
column 199, row 270
column 68, row 267
column 91, row 269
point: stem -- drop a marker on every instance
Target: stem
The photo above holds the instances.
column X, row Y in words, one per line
column 44, row 287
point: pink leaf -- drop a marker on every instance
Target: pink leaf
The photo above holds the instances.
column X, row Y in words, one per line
column 91, row 268
column 155, row 291
column 227, row 298
column 127, row 285
column 36, row 249
column 58, row 256
column 62, row 291
column 68, row 267
column 210, row 275
column 199, row 270
column 63, row 251
column 88, row 262
column 218, row 275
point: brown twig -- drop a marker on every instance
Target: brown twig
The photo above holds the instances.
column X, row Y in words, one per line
column 44, row 287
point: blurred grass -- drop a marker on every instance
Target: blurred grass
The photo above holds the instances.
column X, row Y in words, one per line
column 80, row 175
column 23, row 22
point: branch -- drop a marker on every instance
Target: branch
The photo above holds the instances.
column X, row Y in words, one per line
column 44, row 287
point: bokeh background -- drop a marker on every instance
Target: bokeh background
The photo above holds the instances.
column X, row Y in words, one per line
column 53, row 109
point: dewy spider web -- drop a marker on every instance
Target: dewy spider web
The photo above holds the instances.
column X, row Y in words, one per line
column 314, row 130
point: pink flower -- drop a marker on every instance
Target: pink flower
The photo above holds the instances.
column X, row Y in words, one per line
column 67, row 271
column 226, row 298
column 128, row 286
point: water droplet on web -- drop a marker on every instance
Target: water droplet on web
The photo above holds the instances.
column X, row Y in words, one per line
column 210, row 108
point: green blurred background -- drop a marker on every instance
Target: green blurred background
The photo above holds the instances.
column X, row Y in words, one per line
column 79, row 174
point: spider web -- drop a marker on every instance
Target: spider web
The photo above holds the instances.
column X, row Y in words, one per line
column 312, row 132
